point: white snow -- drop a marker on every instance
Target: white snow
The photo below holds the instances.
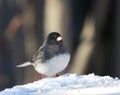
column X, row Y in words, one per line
column 68, row 84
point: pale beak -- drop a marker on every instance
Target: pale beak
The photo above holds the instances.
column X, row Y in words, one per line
column 59, row 38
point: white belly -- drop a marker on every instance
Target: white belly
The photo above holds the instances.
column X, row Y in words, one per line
column 54, row 65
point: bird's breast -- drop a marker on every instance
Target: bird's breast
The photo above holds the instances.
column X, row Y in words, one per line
column 53, row 65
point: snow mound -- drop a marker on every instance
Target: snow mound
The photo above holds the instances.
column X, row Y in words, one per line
column 68, row 84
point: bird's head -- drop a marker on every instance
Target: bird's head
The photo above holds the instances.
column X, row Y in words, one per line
column 54, row 38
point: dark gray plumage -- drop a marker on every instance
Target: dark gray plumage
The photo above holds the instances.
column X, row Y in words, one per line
column 52, row 57
column 50, row 48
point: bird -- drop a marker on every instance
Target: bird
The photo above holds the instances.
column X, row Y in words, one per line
column 51, row 58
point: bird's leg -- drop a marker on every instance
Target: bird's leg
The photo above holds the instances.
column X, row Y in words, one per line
column 57, row 75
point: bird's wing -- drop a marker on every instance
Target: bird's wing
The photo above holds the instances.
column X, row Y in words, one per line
column 39, row 55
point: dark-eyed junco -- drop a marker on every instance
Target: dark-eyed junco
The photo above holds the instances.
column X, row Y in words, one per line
column 51, row 58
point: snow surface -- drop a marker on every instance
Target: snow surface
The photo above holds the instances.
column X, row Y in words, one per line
column 68, row 84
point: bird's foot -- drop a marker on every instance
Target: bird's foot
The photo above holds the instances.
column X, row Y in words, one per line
column 57, row 75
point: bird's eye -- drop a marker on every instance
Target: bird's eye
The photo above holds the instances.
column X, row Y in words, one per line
column 59, row 38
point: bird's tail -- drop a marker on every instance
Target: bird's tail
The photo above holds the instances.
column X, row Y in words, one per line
column 24, row 64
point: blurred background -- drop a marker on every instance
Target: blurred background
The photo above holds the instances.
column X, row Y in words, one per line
column 90, row 29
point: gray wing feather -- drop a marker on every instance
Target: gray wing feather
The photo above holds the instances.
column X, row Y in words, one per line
column 39, row 55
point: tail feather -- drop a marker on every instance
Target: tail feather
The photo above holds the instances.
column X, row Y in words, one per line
column 24, row 64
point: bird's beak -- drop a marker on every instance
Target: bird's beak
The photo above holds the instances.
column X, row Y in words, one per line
column 59, row 38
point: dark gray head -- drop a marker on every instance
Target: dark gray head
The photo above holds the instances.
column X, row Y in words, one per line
column 52, row 46
column 54, row 38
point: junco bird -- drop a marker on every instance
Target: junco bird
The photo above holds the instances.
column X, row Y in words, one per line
column 51, row 58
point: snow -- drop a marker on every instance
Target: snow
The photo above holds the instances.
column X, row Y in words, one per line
column 68, row 84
